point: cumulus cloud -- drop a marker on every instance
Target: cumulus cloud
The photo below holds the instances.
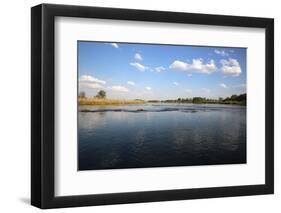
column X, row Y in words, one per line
column 91, row 79
column 138, row 57
column 175, row 83
column 197, row 65
column 118, row 88
column 223, row 85
column 131, row 83
column 159, row 69
column 114, row 45
column 221, row 53
column 230, row 67
column 90, row 85
column 179, row 65
column 88, row 81
column 139, row 66
column 148, row 88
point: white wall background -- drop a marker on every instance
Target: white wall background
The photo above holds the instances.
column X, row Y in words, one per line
column 15, row 106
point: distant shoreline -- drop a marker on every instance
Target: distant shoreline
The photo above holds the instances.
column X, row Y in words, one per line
column 99, row 101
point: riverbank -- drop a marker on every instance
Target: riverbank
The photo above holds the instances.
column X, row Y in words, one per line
column 242, row 103
column 232, row 100
column 100, row 101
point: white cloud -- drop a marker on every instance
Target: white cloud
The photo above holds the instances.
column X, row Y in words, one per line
column 114, row 45
column 221, row 53
column 175, row 83
column 131, row 83
column 230, row 67
column 179, row 65
column 118, row 88
column 88, row 81
column 138, row 57
column 90, row 85
column 91, row 79
column 197, row 65
column 139, row 66
column 159, row 69
column 223, row 85
column 148, row 88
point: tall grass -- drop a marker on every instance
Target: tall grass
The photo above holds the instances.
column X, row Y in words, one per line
column 100, row 101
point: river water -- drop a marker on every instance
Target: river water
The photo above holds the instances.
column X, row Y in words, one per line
column 160, row 135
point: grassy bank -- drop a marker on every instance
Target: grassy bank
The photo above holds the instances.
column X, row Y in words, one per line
column 233, row 100
column 100, row 101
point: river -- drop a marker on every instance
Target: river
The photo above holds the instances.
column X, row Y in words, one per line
column 160, row 135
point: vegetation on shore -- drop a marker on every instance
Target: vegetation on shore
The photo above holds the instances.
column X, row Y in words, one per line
column 100, row 99
column 234, row 99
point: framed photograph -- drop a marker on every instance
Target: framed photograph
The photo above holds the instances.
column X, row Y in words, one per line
column 140, row 106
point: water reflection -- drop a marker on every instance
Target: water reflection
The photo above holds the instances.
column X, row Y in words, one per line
column 161, row 135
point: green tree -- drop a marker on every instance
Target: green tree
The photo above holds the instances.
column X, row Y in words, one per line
column 198, row 100
column 101, row 94
column 234, row 97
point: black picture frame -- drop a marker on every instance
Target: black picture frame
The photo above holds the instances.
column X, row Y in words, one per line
column 43, row 105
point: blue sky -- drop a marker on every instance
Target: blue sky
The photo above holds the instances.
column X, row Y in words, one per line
column 153, row 71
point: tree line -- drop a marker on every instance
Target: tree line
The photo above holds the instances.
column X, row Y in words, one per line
column 233, row 99
column 100, row 95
